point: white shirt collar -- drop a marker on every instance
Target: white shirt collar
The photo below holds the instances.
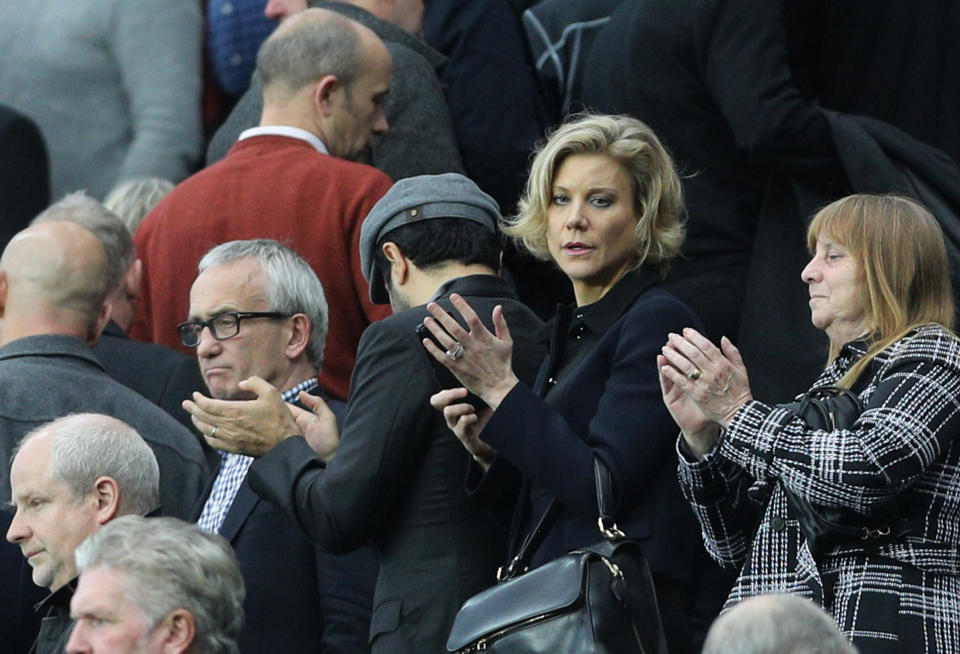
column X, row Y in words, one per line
column 285, row 130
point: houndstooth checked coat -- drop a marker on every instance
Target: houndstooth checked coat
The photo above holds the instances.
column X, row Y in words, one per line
column 903, row 597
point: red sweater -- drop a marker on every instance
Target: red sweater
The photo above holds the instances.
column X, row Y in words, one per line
column 266, row 187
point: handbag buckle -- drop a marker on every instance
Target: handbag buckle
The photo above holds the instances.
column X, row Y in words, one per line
column 505, row 572
column 609, row 528
column 879, row 532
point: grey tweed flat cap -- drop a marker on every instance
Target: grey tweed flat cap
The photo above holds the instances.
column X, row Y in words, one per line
column 413, row 199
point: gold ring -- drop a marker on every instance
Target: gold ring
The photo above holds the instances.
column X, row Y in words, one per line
column 694, row 374
column 213, row 434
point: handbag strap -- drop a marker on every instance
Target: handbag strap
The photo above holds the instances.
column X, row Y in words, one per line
column 603, row 482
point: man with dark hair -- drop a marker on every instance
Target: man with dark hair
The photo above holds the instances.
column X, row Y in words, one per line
column 172, row 376
column 397, row 479
column 292, row 178
column 257, row 310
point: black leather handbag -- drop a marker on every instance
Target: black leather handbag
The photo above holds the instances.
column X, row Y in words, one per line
column 831, row 408
column 596, row 599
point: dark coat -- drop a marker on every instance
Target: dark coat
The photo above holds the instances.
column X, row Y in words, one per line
column 48, row 376
column 24, row 173
column 397, row 479
column 18, row 621
column 163, row 376
column 492, row 91
column 299, row 599
column 713, row 81
column 611, row 407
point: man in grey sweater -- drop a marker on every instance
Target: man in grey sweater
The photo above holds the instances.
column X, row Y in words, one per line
column 113, row 85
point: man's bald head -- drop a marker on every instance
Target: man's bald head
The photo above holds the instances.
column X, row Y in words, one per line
column 310, row 45
column 776, row 624
column 53, row 279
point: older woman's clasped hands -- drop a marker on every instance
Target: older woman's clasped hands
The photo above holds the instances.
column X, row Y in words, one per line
column 703, row 386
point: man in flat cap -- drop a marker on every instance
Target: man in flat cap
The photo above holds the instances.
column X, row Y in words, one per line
column 397, row 479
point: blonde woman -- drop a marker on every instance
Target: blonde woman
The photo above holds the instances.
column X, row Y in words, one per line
column 603, row 202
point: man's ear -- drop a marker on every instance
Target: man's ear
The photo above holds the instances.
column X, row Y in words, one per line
column 4, row 289
column 99, row 324
column 300, row 327
column 131, row 282
column 180, row 629
column 108, row 498
column 325, row 91
column 399, row 264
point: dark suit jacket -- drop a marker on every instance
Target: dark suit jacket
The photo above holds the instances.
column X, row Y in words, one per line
column 24, row 173
column 299, row 600
column 19, row 623
column 163, row 376
column 397, row 479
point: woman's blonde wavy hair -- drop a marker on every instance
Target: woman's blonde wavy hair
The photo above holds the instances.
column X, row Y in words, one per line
column 657, row 192
column 900, row 255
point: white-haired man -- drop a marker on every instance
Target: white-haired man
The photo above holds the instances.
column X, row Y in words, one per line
column 257, row 310
column 156, row 586
column 68, row 478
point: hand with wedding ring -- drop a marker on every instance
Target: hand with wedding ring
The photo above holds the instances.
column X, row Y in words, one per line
column 714, row 379
column 481, row 360
column 251, row 427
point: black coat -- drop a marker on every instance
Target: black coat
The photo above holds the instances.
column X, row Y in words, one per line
column 299, row 599
column 24, row 173
column 397, row 478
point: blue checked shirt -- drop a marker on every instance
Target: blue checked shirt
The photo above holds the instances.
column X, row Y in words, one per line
column 233, row 469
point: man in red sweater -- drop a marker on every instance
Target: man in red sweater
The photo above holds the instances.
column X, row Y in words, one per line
column 290, row 179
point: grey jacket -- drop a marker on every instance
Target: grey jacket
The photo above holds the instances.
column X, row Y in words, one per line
column 420, row 140
column 49, row 376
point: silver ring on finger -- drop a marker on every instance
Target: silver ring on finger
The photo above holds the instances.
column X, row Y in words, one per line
column 213, row 434
column 456, row 353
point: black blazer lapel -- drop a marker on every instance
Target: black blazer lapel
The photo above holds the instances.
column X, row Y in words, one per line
column 240, row 510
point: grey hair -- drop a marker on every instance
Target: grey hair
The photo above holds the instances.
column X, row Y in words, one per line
column 308, row 49
column 776, row 624
column 171, row 564
column 112, row 232
column 85, row 446
column 134, row 198
column 292, row 285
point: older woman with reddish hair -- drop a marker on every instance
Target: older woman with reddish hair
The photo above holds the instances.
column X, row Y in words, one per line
column 880, row 288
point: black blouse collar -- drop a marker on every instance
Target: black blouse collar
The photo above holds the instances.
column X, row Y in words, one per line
column 599, row 316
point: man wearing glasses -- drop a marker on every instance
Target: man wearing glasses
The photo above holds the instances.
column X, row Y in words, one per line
column 258, row 314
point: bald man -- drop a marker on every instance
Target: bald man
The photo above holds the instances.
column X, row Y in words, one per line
column 777, row 624
column 53, row 285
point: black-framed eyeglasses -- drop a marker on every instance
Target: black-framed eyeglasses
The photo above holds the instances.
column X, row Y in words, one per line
column 223, row 325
